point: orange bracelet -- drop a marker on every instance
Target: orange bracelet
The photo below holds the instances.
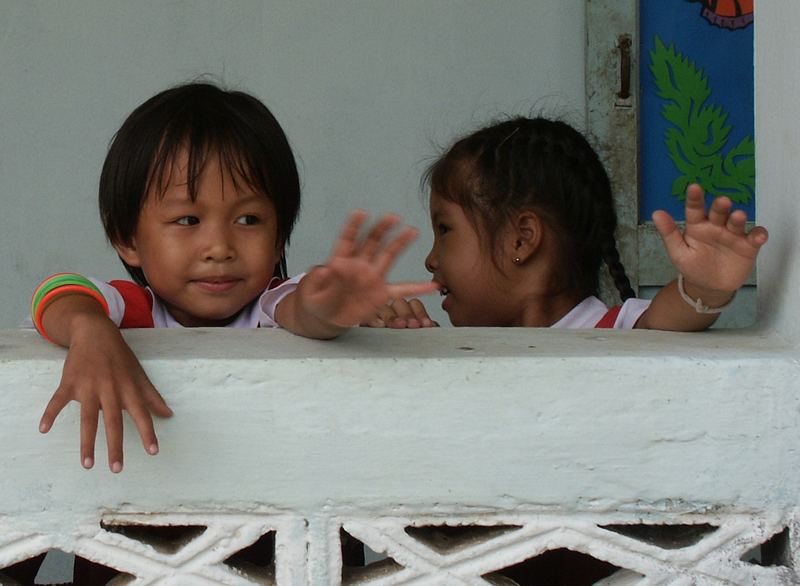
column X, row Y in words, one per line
column 56, row 286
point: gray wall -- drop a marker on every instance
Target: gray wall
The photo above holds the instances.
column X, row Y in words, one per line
column 777, row 88
column 364, row 89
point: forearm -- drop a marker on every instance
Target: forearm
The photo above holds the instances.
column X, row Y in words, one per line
column 669, row 311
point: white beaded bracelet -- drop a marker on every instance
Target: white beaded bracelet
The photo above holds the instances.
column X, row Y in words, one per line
column 697, row 304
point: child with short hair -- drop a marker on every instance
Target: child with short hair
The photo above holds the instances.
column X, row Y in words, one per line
column 198, row 196
column 523, row 217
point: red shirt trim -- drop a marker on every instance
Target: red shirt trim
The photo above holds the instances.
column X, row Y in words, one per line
column 610, row 318
column 138, row 305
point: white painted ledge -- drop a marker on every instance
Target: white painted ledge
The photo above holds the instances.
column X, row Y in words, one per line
column 556, row 432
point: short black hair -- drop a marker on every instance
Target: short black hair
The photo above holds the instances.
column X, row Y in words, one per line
column 206, row 120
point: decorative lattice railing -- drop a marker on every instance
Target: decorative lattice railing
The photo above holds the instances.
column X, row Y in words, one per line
column 453, row 457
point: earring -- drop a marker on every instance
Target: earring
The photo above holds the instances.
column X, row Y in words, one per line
column 517, row 260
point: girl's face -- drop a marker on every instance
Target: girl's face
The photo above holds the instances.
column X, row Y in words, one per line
column 476, row 292
column 206, row 259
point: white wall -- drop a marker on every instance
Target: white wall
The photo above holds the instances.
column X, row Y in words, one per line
column 363, row 89
column 778, row 139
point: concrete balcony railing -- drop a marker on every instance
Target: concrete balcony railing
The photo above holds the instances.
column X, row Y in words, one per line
column 457, row 457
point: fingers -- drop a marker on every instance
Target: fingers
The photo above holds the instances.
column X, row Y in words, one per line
column 374, row 240
column 736, row 222
column 373, row 247
column 139, row 410
column 421, row 314
column 736, row 225
column 155, row 402
column 112, row 420
column 668, row 230
column 758, row 237
column 695, row 204
column 395, row 247
column 397, row 290
column 101, row 373
column 352, row 286
column 57, row 402
column 720, row 210
column 347, row 241
column 144, row 423
column 383, row 315
column 715, row 251
column 89, row 414
column 401, row 314
column 409, row 313
column 719, row 213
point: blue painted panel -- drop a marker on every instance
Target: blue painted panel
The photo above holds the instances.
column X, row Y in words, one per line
column 721, row 59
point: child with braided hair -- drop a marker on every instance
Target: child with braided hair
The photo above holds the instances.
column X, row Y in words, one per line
column 523, row 218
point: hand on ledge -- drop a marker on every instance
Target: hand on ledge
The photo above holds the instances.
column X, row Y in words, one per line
column 400, row 314
column 102, row 373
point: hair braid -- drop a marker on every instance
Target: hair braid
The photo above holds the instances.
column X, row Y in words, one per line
column 606, row 217
column 616, row 269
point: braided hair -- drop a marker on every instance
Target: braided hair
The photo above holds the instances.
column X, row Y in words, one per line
column 547, row 167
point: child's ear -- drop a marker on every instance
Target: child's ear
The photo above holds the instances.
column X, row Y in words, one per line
column 128, row 253
column 526, row 237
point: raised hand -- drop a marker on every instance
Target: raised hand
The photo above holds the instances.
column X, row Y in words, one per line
column 714, row 253
column 351, row 287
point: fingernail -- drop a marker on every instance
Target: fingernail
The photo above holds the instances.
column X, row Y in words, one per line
column 377, row 323
column 116, row 467
column 413, row 323
column 153, row 449
column 43, row 428
column 88, row 462
column 427, row 323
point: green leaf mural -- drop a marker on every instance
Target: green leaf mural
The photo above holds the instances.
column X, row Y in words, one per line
column 699, row 136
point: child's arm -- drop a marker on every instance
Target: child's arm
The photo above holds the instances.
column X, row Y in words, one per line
column 351, row 287
column 101, row 373
column 715, row 256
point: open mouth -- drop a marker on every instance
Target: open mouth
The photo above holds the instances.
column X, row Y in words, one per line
column 447, row 300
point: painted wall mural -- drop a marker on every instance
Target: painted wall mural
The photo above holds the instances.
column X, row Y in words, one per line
column 697, row 102
column 730, row 14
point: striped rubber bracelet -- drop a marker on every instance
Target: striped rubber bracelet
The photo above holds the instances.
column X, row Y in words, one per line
column 56, row 286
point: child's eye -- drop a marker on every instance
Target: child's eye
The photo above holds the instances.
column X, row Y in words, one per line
column 247, row 220
column 187, row 221
column 442, row 228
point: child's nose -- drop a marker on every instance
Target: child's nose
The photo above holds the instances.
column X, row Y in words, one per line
column 430, row 261
column 219, row 245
